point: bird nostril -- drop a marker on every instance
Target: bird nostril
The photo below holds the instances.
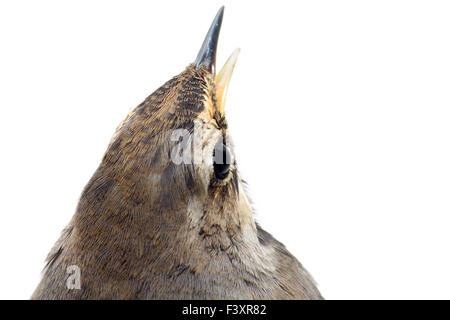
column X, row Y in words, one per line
column 221, row 160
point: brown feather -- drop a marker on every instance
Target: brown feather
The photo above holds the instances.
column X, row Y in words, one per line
column 147, row 228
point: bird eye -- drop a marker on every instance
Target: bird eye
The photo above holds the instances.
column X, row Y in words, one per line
column 221, row 160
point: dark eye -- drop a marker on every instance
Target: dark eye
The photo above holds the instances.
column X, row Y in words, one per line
column 221, row 159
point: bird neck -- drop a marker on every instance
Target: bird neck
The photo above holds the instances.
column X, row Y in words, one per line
column 113, row 212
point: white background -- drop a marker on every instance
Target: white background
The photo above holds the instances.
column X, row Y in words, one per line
column 340, row 112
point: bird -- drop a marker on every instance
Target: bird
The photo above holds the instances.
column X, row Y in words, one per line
column 166, row 215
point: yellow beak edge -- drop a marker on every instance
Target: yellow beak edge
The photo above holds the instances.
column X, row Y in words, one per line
column 223, row 80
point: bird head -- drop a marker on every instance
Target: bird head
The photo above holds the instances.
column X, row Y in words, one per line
column 170, row 169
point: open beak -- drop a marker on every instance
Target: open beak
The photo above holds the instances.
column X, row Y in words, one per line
column 223, row 79
column 207, row 58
